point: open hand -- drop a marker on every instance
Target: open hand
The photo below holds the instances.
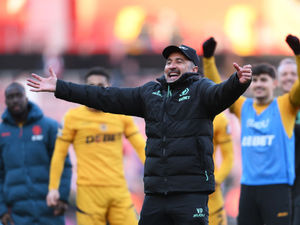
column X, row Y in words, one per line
column 41, row 84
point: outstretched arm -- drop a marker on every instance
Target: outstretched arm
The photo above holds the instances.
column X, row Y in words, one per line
column 210, row 70
column 212, row 73
column 126, row 101
column 209, row 65
column 294, row 44
column 218, row 97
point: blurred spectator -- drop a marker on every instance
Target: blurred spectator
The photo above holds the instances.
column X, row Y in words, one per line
column 26, row 147
column 287, row 76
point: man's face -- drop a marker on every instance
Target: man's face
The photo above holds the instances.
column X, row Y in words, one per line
column 16, row 100
column 176, row 65
column 287, row 75
column 262, row 87
column 97, row 80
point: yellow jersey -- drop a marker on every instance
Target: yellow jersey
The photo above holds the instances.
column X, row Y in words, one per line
column 97, row 140
column 223, row 143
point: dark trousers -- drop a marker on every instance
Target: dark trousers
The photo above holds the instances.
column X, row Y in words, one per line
column 265, row 205
column 175, row 209
column 296, row 210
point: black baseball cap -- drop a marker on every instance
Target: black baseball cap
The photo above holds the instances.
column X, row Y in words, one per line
column 189, row 52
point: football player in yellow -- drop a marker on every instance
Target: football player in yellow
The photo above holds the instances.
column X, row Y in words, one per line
column 223, row 142
column 102, row 192
column 267, row 147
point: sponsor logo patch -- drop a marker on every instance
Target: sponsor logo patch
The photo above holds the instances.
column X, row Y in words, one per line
column 5, row 134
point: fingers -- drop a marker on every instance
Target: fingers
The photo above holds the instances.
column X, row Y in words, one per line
column 246, row 70
column 247, row 66
column 39, row 78
column 33, row 82
column 35, row 85
column 237, row 67
column 52, row 73
column 60, row 208
column 51, row 200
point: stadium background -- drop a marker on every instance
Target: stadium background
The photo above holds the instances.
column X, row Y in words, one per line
column 126, row 37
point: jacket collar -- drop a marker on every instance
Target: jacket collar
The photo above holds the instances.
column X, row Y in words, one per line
column 185, row 78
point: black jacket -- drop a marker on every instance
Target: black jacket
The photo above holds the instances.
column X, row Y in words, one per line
column 179, row 126
column 296, row 186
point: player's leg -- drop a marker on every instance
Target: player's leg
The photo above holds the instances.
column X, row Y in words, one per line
column 296, row 212
column 218, row 217
column 154, row 211
column 276, row 204
column 249, row 212
column 91, row 206
column 121, row 209
column 188, row 208
column 217, row 213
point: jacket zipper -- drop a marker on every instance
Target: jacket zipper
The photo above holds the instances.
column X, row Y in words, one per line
column 21, row 130
column 169, row 94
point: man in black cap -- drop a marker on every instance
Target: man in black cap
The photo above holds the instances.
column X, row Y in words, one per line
column 178, row 110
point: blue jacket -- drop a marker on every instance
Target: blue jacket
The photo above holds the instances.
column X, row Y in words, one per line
column 25, row 154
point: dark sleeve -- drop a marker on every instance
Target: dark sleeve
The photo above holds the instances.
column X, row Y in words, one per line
column 220, row 96
column 126, row 101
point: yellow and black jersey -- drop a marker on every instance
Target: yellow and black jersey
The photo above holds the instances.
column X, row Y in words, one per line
column 97, row 140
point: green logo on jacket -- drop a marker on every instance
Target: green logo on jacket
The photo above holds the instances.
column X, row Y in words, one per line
column 158, row 93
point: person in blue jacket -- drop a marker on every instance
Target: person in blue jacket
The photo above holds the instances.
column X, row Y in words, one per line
column 27, row 139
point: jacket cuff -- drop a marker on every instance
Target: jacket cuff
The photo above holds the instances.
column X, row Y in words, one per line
column 59, row 88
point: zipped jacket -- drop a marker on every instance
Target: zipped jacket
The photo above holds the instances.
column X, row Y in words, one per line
column 25, row 154
column 179, row 126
